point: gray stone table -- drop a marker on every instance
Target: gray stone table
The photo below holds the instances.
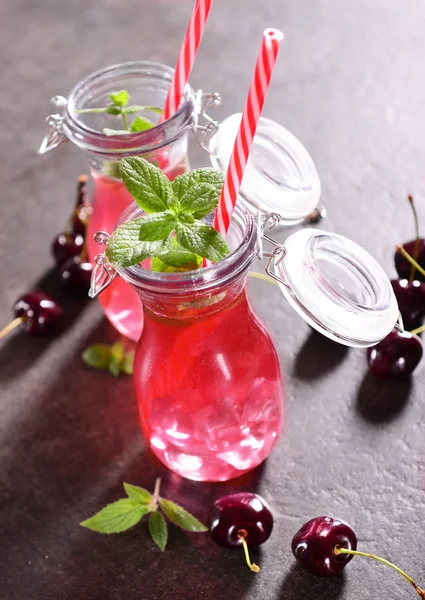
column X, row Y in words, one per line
column 350, row 83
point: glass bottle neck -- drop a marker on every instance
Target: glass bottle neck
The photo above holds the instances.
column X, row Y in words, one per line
column 186, row 307
column 204, row 291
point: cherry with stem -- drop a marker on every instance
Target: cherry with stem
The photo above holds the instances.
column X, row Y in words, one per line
column 242, row 519
column 37, row 314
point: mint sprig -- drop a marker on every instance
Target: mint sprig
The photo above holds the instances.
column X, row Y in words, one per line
column 118, row 107
column 127, row 512
column 109, row 358
column 172, row 233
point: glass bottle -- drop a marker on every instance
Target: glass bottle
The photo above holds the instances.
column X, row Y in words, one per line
column 206, row 373
column 165, row 145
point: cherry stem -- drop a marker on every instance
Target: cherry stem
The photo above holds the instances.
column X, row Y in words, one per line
column 418, row 330
column 155, row 497
column 242, row 536
column 12, row 325
column 339, row 550
column 416, row 250
column 412, row 261
column 262, row 277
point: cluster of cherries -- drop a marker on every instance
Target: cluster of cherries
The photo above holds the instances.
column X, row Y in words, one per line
column 323, row 546
column 36, row 312
column 69, row 246
column 398, row 355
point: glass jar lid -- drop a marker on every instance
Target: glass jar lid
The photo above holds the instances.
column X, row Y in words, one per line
column 280, row 175
column 337, row 287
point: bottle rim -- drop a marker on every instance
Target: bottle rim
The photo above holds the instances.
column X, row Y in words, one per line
column 242, row 232
column 162, row 134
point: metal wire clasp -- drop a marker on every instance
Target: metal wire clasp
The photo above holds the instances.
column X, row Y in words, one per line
column 55, row 136
column 206, row 129
column 278, row 253
column 103, row 273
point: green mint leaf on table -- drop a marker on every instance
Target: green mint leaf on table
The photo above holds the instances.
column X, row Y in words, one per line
column 117, row 517
column 203, row 240
column 125, row 249
column 179, row 516
column 127, row 512
column 157, row 226
column 138, row 494
column 127, row 363
column 150, row 188
column 183, row 183
column 97, row 356
column 117, row 356
column 109, row 358
column 158, row 530
column 140, row 124
column 120, row 98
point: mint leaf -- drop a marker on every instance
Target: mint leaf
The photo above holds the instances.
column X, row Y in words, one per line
column 157, row 226
column 183, row 183
column 116, row 517
column 120, row 98
column 179, row 516
column 150, row 188
column 177, row 259
column 186, row 218
column 117, row 355
column 97, row 356
column 140, row 124
column 109, row 132
column 138, row 494
column 158, row 530
column 124, row 248
column 200, row 200
column 203, row 240
column 129, row 110
column 113, row 110
column 127, row 363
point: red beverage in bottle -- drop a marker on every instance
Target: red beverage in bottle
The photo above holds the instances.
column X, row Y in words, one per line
column 119, row 302
column 208, row 387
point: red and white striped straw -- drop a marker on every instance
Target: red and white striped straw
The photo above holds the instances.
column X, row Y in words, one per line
column 271, row 41
column 187, row 55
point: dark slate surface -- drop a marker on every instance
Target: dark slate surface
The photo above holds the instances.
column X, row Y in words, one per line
column 350, row 84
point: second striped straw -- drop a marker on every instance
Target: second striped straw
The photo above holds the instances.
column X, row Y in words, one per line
column 271, row 41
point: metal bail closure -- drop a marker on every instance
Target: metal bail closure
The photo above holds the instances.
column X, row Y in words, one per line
column 103, row 273
column 334, row 285
column 203, row 102
column 56, row 136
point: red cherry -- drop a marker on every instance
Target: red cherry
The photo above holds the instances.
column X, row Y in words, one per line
column 65, row 246
column 37, row 314
column 411, row 301
column 314, row 545
column 75, row 275
column 396, row 356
